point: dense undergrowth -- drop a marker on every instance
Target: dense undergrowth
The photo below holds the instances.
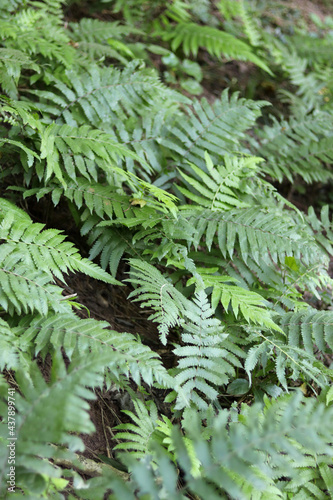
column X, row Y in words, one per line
column 178, row 197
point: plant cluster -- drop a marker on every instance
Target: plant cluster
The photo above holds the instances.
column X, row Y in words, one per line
column 98, row 115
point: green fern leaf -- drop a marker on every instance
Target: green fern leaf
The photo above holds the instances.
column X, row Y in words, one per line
column 204, row 362
column 11, row 63
column 308, row 329
column 297, row 147
column 79, row 148
column 100, row 96
column 23, row 290
column 219, row 189
column 156, row 292
column 127, row 355
column 35, row 402
column 252, row 231
column 139, row 434
column 215, row 128
column 286, row 357
column 217, row 43
column 8, row 347
column 45, row 250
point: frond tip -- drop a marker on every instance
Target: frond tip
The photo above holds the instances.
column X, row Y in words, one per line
column 204, row 361
column 217, row 43
column 156, row 292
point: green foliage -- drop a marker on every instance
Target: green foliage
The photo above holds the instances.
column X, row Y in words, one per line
column 212, row 128
column 204, row 359
column 301, row 146
column 217, row 43
column 175, row 196
column 65, row 398
column 216, row 186
column 156, row 291
column 259, row 443
column 45, row 250
column 138, row 434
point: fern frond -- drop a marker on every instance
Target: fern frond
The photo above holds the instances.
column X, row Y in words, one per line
column 100, row 96
column 20, row 110
column 322, row 228
column 308, row 329
column 9, row 356
column 204, row 362
column 52, row 42
column 220, row 189
column 110, row 244
column 158, row 199
column 218, row 43
column 289, row 361
column 138, row 434
column 95, row 37
column 241, row 9
column 30, row 155
column 252, row 454
column 45, row 250
column 158, row 293
column 6, row 207
column 249, row 303
column 102, row 200
column 95, row 30
column 314, row 49
column 11, row 63
column 216, row 128
column 23, row 290
column 80, row 150
column 309, row 95
column 126, row 354
column 35, row 402
column 298, row 146
column 251, row 231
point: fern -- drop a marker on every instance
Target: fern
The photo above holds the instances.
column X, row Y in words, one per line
column 289, row 361
column 66, row 390
column 94, row 38
column 253, row 229
column 28, row 256
column 110, row 244
column 126, row 354
column 249, row 303
column 11, row 63
column 300, row 147
column 259, row 443
column 53, row 42
column 103, row 201
column 156, row 291
column 23, row 290
column 8, row 342
column 217, row 43
column 215, row 128
column 138, row 435
column 101, row 95
column 241, row 9
column 158, row 199
column 309, row 329
column 178, row 195
column 214, row 190
column 322, row 228
column 204, row 362
column 45, row 250
column 81, row 149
